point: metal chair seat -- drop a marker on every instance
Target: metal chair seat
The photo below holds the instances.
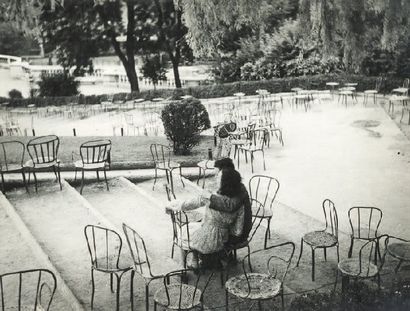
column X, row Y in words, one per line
column 320, row 239
column 351, row 267
column 11, row 168
column 262, row 286
column 399, row 250
column 401, row 90
column 90, row 166
column 46, row 164
column 185, row 292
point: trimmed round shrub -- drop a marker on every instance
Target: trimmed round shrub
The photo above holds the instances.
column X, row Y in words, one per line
column 15, row 94
column 183, row 122
column 58, row 85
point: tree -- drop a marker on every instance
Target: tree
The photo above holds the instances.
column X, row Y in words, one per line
column 153, row 68
column 13, row 41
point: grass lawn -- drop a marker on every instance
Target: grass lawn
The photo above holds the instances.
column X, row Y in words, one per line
column 128, row 152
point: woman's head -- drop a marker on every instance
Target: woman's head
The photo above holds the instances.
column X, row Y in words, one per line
column 230, row 182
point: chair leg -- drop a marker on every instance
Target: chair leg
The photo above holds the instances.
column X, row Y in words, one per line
column 105, row 177
column 263, row 156
column 82, row 182
column 398, row 266
column 301, row 251
column 226, row 300
column 146, row 297
column 337, row 249
column 55, row 172
column 132, row 290
column 349, row 255
column 92, row 289
column 59, row 177
column 282, row 299
column 180, row 176
column 2, row 183
column 199, row 176
column 111, row 283
column 313, row 264
column 35, row 181
column 251, row 160
column 75, row 175
column 172, row 184
column 324, row 253
column 24, row 181
column 118, row 290
column 172, row 250
column 203, row 180
column 98, row 175
column 155, row 178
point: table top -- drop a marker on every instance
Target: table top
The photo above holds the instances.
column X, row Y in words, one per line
column 240, row 94
column 186, row 96
column 351, row 84
column 332, row 83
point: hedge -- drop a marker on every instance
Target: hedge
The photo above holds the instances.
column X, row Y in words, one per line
column 217, row 90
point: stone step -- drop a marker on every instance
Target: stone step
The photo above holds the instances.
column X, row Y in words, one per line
column 57, row 219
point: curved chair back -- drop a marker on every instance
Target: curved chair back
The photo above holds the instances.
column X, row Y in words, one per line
column 44, row 149
column 24, row 290
column 104, row 246
column 263, row 189
column 259, row 138
column 138, row 251
column 273, row 260
column 332, row 221
column 96, row 151
column 180, row 228
column 365, row 221
column 406, row 83
column 161, row 154
column 7, row 153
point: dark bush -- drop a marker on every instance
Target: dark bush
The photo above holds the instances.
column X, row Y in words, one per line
column 183, row 122
column 15, row 94
column 58, row 85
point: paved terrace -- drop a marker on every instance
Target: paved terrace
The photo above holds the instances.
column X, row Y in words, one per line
column 353, row 155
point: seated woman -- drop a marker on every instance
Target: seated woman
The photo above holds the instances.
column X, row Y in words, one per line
column 217, row 225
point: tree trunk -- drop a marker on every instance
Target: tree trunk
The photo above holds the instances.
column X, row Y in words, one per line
column 175, row 64
column 132, row 76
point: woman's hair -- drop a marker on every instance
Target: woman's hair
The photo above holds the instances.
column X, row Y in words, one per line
column 230, row 182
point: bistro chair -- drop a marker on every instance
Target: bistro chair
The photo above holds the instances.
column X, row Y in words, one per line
column 95, row 156
column 272, row 125
column 373, row 93
column 263, row 190
column 180, row 295
column 222, row 150
column 241, row 137
column 361, row 267
column 161, row 155
column 365, row 222
column 43, row 152
column 325, row 238
column 6, row 150
column 25, row 290
column 258, row 138
column 104, row 246
column 265, row 281
column 399, row 249
column 142, row 265
column 404, row 90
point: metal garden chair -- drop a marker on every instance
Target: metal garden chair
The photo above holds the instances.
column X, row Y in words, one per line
column 161, row 155
column 265, row 281
column 24, row 290
column 325, row 238
column 361, row 267
column 95, row 156
column 43, row 152
column 104, row 246
column 240, row 137
column 373, row 93
column 142, row 265
column 272, row 125
column 256, row 144
column 180, row 295
column 6, row 149
column 399, row 249
column 365, row 222
column 263, row 190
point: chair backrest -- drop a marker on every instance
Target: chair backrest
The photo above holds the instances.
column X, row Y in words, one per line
column 364, row 221
column 44, row 149
column 256, row 221
column 366, row 258
column 104, row 246
column 96, row 151
column 274, row 260
column 180, row 228
column 264, row 189
column 258, row 138
column 406, row 83
column 176, row 302
column 332, row 221
column 161, row 154
column 7, row 150
column 24, row 290
column 138, row 251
